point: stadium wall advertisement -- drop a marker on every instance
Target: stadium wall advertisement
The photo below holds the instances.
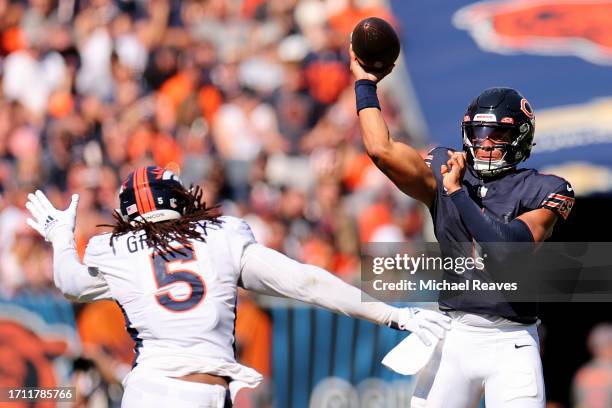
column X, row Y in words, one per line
column 37, row 342
column 333, row 361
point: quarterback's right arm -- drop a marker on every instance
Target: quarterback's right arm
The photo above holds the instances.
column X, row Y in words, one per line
column 401, row 163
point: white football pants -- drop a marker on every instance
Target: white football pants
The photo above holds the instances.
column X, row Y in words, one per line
column 147, row 390
column 500, row 360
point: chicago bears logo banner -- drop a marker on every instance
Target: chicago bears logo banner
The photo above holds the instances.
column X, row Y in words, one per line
column 33, row 351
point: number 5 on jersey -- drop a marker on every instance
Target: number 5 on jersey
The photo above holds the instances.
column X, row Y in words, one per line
column 170, row 273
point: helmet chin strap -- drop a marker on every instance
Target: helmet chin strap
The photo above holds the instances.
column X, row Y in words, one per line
column 120, row 213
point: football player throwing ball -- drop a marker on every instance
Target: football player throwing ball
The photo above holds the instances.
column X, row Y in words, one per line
column 480, row 196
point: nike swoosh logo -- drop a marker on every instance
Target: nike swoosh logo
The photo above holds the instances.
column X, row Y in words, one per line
column 521, row 346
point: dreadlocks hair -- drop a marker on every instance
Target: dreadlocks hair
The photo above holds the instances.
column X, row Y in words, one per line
column 181, row 230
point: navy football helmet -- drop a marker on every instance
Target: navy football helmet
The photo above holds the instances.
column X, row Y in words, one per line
column 151, row 194
column 503, row 116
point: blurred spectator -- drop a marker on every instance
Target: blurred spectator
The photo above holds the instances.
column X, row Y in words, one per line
column 343, row 21
column 32, row 73
column 592, row 385
column 27, row 264
column 244, row 127
column 294, row 108
column 101, row 328
column 253, row 335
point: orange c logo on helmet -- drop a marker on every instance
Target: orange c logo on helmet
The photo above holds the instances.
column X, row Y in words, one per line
column 581, row 28
column 526, row 108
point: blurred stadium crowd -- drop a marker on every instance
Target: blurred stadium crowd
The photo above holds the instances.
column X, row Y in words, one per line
column 251, row 99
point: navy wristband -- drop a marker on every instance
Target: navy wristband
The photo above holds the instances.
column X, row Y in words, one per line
column 365, row 94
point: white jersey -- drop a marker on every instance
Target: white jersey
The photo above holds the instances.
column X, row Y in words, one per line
column 181, row 310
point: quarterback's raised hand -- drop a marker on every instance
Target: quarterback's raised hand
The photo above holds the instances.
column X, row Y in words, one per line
column 360, row 73
column 419, row 321
column 50, row 222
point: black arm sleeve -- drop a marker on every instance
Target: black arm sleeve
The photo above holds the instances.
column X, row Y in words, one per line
column 485, row 229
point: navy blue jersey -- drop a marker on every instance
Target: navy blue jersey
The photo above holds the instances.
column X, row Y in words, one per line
column 502, row 198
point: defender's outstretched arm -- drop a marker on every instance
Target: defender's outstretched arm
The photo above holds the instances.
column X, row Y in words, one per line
column 267, row 271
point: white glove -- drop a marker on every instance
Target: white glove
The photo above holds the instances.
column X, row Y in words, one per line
column 50, row 222
column 419, row 321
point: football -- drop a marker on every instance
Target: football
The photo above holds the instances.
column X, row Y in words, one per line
column 375, row 44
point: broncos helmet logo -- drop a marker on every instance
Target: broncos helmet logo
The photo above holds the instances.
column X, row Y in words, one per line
column 580, row 28
column 165, row 174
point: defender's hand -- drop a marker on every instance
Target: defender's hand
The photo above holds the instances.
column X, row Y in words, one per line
column 419, row 321
column 360, row 73
column 50, row 222
column 453, row 171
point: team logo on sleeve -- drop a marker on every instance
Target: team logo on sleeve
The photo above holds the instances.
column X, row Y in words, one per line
column 559, row 203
